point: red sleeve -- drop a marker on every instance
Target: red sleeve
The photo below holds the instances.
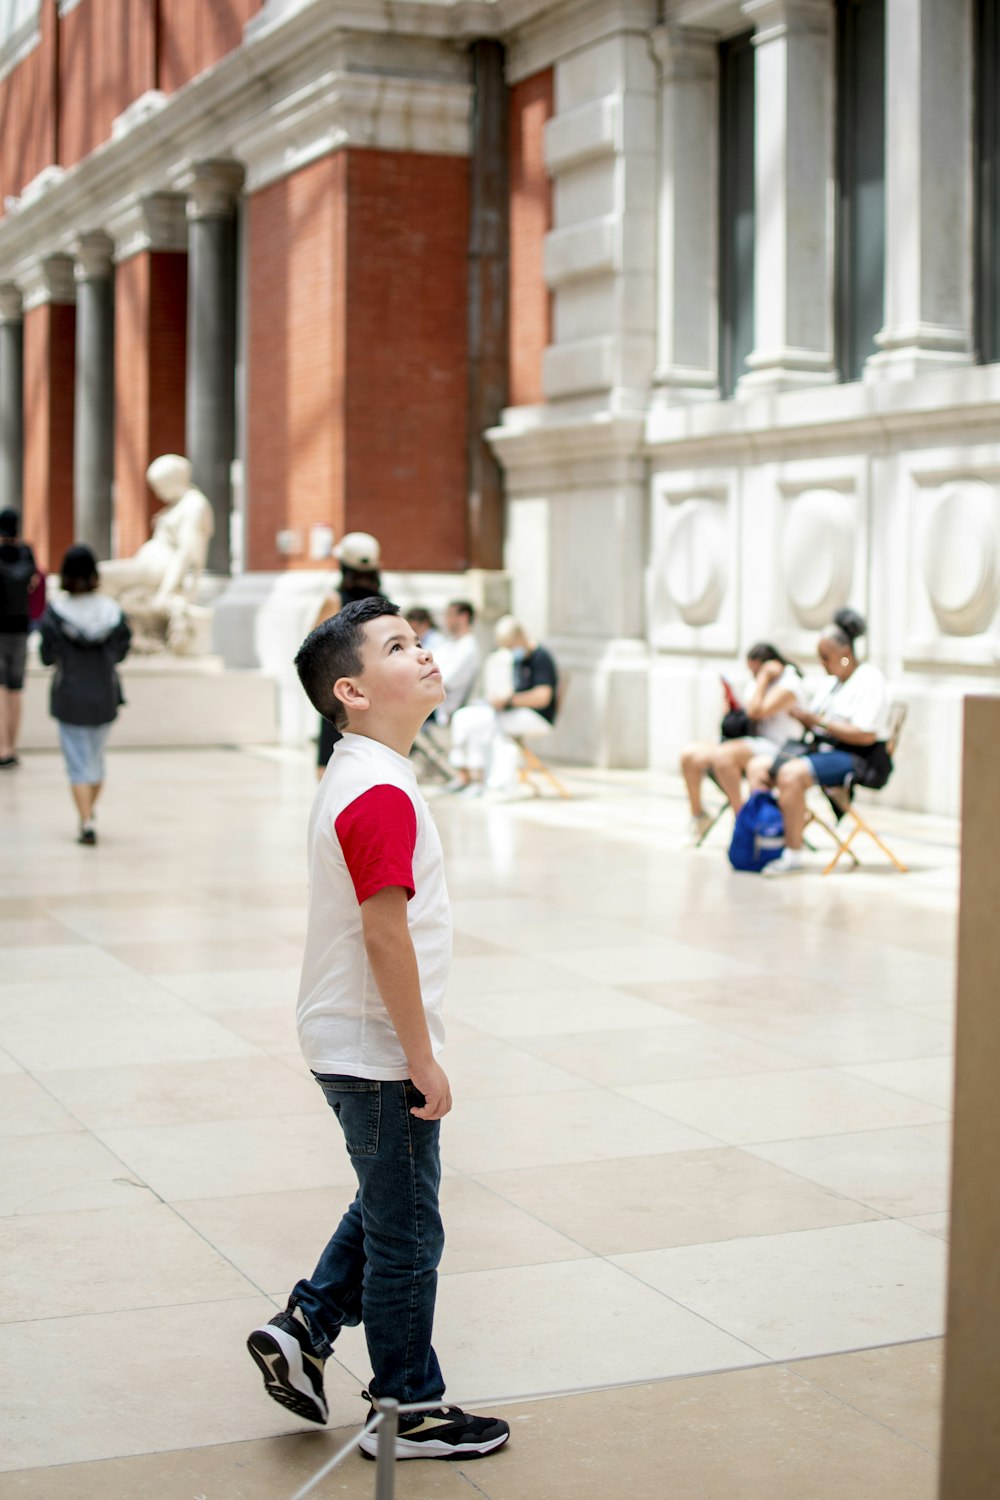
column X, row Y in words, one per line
column 378, row 832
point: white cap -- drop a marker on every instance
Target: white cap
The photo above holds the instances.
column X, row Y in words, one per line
column 358, row 550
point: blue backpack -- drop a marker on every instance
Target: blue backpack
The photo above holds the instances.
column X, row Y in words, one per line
column 758, row 833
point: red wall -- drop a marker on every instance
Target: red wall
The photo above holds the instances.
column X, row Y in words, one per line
column 407, row 349
column 28, row 112
column 59, row 103
column 357, row 356
column 107, row 58
column 49, row 353
column 295, row 394
column 530, row 220
column 192, row 35
column 150, row 355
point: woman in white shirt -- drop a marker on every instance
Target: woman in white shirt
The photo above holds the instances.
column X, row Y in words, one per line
column 849, row 717
column 771, row 694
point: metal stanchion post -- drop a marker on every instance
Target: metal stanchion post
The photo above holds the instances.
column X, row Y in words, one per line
column 385, row 1457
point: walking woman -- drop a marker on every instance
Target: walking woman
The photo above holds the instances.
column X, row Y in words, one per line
column 84, row 636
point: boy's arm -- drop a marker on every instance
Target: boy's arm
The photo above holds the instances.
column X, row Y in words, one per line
column 394, row 966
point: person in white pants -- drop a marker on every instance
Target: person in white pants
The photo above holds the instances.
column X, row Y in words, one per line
column 482, row 734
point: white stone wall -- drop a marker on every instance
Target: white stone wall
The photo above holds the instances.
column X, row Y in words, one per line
column 656, row 532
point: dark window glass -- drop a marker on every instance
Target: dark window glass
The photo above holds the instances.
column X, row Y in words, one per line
column 988, row 179
column 736, row 207
column 861, row 181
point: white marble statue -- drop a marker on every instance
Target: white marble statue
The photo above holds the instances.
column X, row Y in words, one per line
column 156, row 587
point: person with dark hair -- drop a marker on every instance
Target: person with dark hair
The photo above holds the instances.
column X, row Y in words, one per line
column 458, row 657
column 358, row 554
column 18, row 576
column 84, row 635
column 374, row 972
column 848, row 718
column 422, row 622
column 758, row 724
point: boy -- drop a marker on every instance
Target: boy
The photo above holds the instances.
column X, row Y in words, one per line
column 378, row 948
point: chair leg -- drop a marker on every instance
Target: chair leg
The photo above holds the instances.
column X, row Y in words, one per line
column 865, row 827
column 533, row 765
column 711, row 825
column 843, row 845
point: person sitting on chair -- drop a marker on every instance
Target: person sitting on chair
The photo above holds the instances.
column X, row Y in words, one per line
column 526, row 711
column 848, row 719
column 771, row 694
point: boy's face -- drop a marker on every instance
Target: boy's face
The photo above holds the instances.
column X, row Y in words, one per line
column 398, row 674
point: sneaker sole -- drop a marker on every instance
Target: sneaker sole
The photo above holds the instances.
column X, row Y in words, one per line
column 433, row 1448
column 279, row 1359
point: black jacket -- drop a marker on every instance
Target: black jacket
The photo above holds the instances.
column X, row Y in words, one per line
column 85, row 686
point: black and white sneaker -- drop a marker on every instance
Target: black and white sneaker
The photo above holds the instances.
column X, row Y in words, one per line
column 293, row 1374
column 447, row 1433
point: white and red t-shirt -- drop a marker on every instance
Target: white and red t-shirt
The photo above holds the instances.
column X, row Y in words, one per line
column 370, row 828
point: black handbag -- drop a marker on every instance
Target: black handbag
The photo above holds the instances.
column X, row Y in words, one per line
column 737, row 725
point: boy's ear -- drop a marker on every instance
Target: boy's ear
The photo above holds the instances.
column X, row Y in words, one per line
column 347, row 692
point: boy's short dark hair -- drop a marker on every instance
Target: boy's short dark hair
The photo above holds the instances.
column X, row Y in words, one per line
column 9, row 524
column 464, row 608
column 333, row 650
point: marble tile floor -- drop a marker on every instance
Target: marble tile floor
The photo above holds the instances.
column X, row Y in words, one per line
column 695, row 1181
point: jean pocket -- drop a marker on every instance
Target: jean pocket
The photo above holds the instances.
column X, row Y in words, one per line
column 357, row 1103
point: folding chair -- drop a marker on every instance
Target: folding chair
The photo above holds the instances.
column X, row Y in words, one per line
column 430, row 753
column 532, row 764
column 841, row 799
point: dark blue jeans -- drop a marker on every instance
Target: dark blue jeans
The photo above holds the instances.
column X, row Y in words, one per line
column 380, row 1268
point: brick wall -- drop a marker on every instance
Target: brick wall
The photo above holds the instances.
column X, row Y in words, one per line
column 49, row 353
column 150, row 354
column 407, row 342
column 295, row 358
column 357, row 357
column 107, row 58
column 28, row 112
column 194, row 34
column 530, row 219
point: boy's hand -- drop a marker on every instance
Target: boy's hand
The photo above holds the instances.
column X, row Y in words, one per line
column 432, row 1081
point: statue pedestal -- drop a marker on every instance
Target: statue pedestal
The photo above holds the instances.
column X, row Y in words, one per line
column 170, row 701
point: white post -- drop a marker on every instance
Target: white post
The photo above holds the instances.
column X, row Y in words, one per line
column 794, row 150
column 928, row 267
column 688, row 313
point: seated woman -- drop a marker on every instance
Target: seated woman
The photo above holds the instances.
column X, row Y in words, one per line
column 773, row 690
column 848, row 717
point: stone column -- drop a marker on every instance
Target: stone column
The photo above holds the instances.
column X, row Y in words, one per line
column 94, row 421
column 687, row 346
column 793, row 278
column 11, row 396
column 211, row 350
column 928, row 264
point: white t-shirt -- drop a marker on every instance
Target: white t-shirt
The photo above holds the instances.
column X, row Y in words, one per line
column 862, row 701
column 779, row 728
column 370, row 828
column 458, row 658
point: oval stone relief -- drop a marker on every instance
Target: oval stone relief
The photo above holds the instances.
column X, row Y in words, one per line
column 817, row 555
column 960, row 557
column 693, row 569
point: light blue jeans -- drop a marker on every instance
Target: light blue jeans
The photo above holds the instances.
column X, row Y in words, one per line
column 83, row 751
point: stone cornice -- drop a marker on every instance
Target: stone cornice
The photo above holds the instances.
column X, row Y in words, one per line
column 93, row 255
column 563, row 453
column 269, row 105
column 48, row 279
column 154, row 221
column 541, row 31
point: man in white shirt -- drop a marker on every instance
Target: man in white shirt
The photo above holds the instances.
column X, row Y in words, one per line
column 458, row 658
